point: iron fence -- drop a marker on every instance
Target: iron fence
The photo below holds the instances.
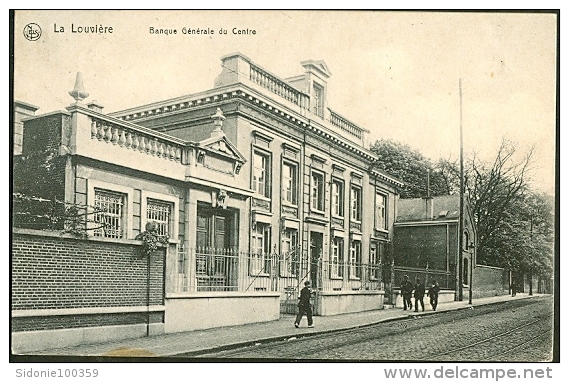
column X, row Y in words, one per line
column 338, row 276
column 215, row 269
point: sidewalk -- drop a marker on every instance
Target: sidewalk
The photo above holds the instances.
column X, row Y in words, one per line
column 198, row 342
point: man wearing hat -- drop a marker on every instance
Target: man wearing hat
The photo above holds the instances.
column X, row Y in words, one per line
column 304, row 306
column 406, row 292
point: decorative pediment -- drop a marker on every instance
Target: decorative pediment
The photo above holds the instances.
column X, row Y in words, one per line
column 319, row 65
column 219, row 153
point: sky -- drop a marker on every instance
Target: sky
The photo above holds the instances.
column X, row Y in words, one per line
column 395, row 73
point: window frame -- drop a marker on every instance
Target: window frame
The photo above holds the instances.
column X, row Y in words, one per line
column 127, row 218
column 266, row 172
column 337, row 258
column 357, row 208
column 383, row 219
column 293, row 180
column 175, row 213
column 318, row 93
column 378, row 249
column 262, row 258
column 355, row 260
column 287, row 265
column 321, row 191
column 338, row 208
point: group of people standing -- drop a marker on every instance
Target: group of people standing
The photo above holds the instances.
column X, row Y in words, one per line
column 417, row 290
column 408, row 289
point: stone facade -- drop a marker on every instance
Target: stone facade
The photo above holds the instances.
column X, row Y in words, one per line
column 257, row 183
column 317, row 204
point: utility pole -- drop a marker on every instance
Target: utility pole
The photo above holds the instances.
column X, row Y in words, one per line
column 531, row 255
column 461, row 208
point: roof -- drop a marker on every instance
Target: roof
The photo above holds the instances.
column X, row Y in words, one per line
column 444, row 208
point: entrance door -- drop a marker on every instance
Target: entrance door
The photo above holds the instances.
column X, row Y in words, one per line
column 216, row 264
column 316, row 239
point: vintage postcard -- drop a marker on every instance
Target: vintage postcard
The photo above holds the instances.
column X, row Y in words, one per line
column 285, row 185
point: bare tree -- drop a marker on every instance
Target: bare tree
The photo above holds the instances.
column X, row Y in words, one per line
column 494, row 189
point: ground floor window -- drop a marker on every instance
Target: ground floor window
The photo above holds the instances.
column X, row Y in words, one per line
column 355, row 261
column 337, row 258
column 159, row 213
column 260, row 261
column 376, row 253
column 289, row 262
column 109, row 214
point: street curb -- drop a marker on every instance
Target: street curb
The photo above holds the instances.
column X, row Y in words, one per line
column 198, row 352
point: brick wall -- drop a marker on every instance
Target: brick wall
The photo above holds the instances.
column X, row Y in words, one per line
column 53, row 272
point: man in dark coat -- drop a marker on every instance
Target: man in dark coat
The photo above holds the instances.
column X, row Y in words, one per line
column 434, row 294
column 419, row 294
column 304, row 306
column 406, row 292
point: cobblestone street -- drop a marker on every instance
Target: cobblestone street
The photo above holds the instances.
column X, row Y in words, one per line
column 518, row 330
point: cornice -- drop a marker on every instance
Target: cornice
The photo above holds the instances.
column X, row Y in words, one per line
column 243, row 93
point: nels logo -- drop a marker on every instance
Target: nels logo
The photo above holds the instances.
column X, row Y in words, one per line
column 32, row 31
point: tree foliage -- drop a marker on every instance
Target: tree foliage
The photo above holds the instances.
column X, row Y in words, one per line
column 411, row 167
column 514, row 225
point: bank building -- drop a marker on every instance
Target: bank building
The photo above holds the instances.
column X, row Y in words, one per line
column 258, row 184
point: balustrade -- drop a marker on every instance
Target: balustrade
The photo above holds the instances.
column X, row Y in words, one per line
column 345, row 125
column 277, row 86
column 135, row 140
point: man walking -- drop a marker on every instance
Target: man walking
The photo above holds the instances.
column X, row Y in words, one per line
column 434, row 294
column 419, row 295
column 304, row 306
column 406, row 291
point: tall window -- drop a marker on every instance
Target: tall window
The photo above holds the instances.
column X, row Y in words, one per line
column 338, row 198
column 318, row 98
column 354, row 264
column 356, row 201
column 375, row 254
column 289, row 183
column 261, row 246
column 317, row 191
column 261, row 174
column 337, row 258
column 380, row 208
column 290, row 253
column 109, row 217
column 159, row 212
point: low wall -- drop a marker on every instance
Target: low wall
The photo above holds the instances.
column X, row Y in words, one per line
column 489, row 281
column 329, row 303
column 204, row 310
column 68, row 291
column 444, row 296
column 40, row 340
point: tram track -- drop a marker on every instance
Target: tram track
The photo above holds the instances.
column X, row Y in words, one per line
column 376, row 340
column 505, row 336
